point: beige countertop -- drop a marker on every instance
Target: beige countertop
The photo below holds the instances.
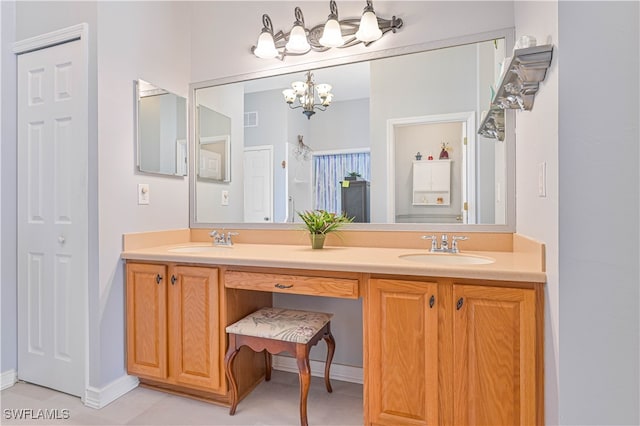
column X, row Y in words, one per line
column 525, row 266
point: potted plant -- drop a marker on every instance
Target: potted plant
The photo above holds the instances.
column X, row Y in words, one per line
column 319, row 223
column 352, row 176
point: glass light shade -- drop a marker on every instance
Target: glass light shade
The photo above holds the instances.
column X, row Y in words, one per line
column 304, row 100
column 300, row 87
column 369, row 29
column 289, row 95
column 298, row 40
column 326, row 101
column 323, row 89
column 332, row 34
column 265, row 48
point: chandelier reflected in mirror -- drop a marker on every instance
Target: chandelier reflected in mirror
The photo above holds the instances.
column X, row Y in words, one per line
column 303, row 95
column 334, row 32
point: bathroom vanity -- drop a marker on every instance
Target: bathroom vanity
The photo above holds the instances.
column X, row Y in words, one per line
column 445, row 341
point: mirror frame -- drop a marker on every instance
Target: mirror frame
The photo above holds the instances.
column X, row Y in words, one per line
column 510, row 226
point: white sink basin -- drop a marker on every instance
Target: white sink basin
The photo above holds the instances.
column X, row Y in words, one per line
column 447, row 259
column 198, row 249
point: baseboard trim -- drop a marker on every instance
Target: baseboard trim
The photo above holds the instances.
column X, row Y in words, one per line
column 346, row 373
column 8, row 379
column 101, row 397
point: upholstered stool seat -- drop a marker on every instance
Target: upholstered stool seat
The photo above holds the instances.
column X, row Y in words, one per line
column 277, row 330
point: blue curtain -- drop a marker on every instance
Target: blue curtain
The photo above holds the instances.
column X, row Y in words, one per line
column 330, row 170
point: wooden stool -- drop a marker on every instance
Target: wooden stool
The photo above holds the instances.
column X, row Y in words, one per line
column 277, row 330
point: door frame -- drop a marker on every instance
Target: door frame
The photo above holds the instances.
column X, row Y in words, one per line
column 468, row 119
column 78, row 32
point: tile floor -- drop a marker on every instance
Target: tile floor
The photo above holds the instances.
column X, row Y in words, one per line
column 271, row 403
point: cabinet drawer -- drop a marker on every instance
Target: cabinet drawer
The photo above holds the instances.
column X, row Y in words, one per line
column 293, row 284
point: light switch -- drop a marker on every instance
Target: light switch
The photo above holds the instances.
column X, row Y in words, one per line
column 224, row 198
column 542, row 179
column 143, row 193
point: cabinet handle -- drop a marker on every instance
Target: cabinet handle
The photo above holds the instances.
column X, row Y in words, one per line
column 173, row 279
column 158, row 278
column 432, row 301
column 278, row 285
column 459, row 304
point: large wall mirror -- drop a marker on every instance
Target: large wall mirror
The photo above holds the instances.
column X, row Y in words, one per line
column 396, row 145
column 161, row 130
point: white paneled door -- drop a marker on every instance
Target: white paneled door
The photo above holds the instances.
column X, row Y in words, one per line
column 52, row 217
column 258, row 184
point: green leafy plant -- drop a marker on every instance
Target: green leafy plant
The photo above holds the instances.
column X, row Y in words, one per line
column 322, row 222
column 354, row 174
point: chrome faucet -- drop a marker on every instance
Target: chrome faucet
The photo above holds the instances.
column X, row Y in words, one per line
column 220, row 239
column 444, row 244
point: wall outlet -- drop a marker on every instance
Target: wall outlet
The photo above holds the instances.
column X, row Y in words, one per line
column 143, row 193
column 224, row 197
column 542, row 179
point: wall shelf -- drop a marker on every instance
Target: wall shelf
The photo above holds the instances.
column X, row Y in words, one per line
column 518, row 86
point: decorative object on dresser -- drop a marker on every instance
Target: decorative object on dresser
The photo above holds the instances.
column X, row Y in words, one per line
column 319, row 223
column 277, row 330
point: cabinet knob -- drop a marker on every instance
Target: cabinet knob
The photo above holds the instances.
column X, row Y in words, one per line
column 158, row 278
column 459, row 304
column 432, row 301
column 173, row 279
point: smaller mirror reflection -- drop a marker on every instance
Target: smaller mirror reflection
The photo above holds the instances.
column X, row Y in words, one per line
column 162, row 130
column 214, row 133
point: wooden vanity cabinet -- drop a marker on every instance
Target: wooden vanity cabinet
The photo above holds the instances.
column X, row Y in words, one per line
column 402, row 348
column 173, row 325
column 495, row 356
column 440, row 351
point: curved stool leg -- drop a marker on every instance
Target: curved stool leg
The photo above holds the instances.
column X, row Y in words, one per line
column 331, row 348
column 302, row 357
column 228, row 368
column 268, row 366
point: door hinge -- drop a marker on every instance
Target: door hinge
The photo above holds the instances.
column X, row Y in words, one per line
column 465, row 207
column 464, row 140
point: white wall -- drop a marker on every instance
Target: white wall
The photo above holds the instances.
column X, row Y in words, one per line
column 8, row 356
column 145, row 40
column 424, row 21
column 598, row 249
column 537, row 141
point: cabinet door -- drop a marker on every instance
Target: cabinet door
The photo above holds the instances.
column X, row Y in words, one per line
column 402, row 336
column 146, row 320
column 441, row 176
column 494, row 356
column 194, row 334
column 421, row 176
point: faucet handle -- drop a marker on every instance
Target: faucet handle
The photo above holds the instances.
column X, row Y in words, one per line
column 229, row 235
column 454, row 243
column 434, row 241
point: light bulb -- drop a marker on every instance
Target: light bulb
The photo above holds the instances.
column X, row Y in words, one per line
column 265, row 48
column 369, row 29
column 298, row 40
column 332, row 34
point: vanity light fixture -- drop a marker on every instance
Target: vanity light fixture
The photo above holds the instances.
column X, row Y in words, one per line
column 305, row 94
column 320, row 38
